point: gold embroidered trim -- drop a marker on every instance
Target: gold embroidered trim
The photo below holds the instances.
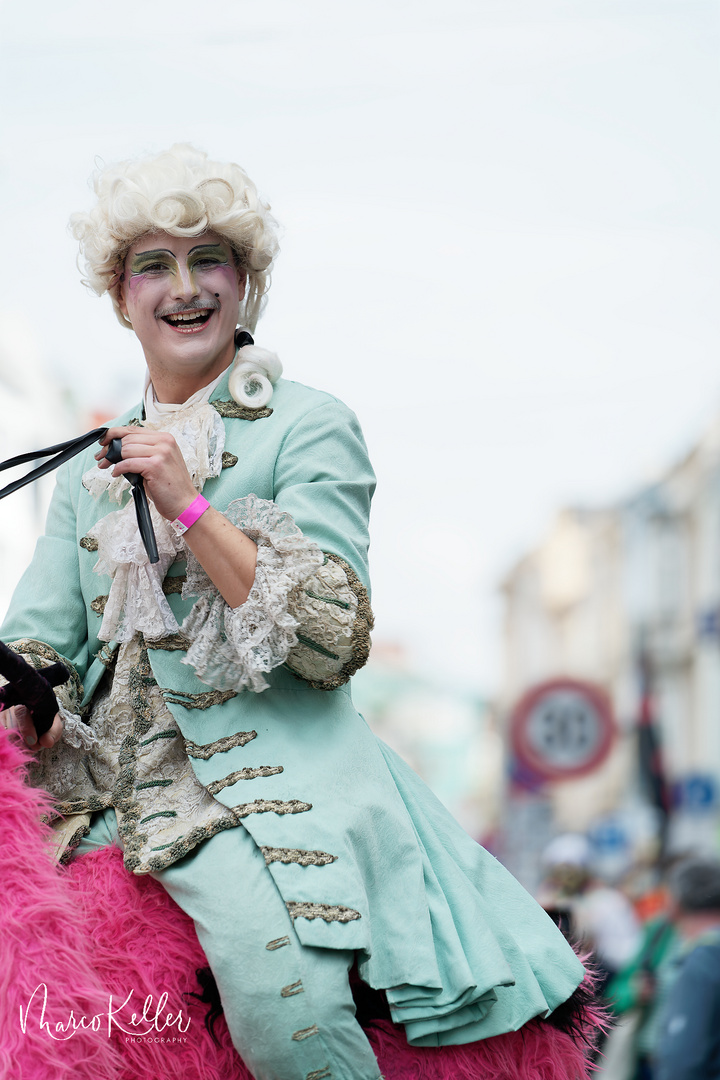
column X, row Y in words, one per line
column 98, row 604
column 275, row 806
column 243, row 774
column 174, row 584
column 90, row 543
column 72, row 843
column 292, row 989
column 322, row 1074
column 305, row 1033
column 30, row 648
column 171, row 643
column 197, row 701
column 181, row 847
column 229, row 460
column 204, row 751
column 82, row 806
column 297, row 855
column 360, row 641
column 231, row 410
column 106, row 655
column 169, row 733
column 277, row 943
column 140, row 679
column 329, row 912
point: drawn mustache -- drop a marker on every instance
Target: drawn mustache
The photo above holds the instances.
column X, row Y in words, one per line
column 211, row 304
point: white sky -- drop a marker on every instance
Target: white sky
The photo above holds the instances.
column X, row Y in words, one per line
column 500, row 244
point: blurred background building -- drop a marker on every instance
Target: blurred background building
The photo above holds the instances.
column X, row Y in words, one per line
column 36, row 412
column 447, row 735
column 626, row 597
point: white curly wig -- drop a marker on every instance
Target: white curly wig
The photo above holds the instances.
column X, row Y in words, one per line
column 182, row 193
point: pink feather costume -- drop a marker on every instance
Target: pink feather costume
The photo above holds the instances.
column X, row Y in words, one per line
column 89, row 934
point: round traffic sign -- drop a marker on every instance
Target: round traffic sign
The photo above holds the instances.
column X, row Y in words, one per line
column 563, row 728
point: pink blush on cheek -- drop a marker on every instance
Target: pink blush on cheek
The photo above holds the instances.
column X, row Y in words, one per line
column 136, row 281
column 228, row 272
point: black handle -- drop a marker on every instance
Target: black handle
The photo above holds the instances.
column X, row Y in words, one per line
column 142, row 510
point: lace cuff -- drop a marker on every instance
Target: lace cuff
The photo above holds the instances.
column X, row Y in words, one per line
column 136, row 600
column 335, row 620
column 231, row 648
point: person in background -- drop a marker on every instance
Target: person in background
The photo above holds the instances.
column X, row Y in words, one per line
column 633, row 991
column 688, row 1035
column 601, row 917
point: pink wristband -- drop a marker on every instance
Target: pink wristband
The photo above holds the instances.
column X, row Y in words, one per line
column 195, row 510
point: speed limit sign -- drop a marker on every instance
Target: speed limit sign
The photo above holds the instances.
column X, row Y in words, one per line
column 563, row 728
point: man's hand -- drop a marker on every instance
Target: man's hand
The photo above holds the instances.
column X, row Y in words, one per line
column 156, row 457
column 19, row 718
column 226, row 554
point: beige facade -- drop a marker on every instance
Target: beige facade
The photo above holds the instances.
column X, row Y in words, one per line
column 605, row 584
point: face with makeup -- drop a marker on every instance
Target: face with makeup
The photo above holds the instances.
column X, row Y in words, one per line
column 181, row 295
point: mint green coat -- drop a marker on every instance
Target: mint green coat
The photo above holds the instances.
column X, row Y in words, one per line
column 463, row 951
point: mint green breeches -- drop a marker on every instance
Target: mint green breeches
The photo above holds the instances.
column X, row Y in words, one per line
column 289, row 1008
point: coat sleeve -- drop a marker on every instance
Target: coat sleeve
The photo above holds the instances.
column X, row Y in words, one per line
column 47, row 607
column 309, row 605
column 324, row 479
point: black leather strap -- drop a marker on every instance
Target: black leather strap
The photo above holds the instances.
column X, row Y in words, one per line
column 62, row 452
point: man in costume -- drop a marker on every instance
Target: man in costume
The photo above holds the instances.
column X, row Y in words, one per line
column 208, row 727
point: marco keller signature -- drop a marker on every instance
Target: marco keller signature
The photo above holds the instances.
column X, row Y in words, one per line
column 153, row 1018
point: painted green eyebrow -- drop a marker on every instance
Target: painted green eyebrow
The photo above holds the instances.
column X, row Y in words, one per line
column 208, row 247
column 166, row 251
column 142, row 258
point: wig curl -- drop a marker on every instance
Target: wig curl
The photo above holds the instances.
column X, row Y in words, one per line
column 182, row 193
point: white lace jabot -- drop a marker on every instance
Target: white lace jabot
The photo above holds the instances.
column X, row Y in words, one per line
column 136, row 601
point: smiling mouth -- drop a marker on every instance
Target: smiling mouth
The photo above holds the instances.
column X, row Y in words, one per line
column 187, row 321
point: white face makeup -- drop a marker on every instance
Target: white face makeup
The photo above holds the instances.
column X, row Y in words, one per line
column 181, row 295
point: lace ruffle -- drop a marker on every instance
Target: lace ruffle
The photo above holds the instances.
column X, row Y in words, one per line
column 232, row 647
column 136, row 601
column 76, row 733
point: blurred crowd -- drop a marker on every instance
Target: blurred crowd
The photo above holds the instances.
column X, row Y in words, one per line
column 654, row 939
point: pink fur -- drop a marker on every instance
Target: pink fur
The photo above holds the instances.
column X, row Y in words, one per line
column 94, row 930
column 144, row 942
column 42, row 942
column 536, row 1052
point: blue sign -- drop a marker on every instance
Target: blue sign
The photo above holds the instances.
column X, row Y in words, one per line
column 697, row 792
column 609, row 836
column 708, row 623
